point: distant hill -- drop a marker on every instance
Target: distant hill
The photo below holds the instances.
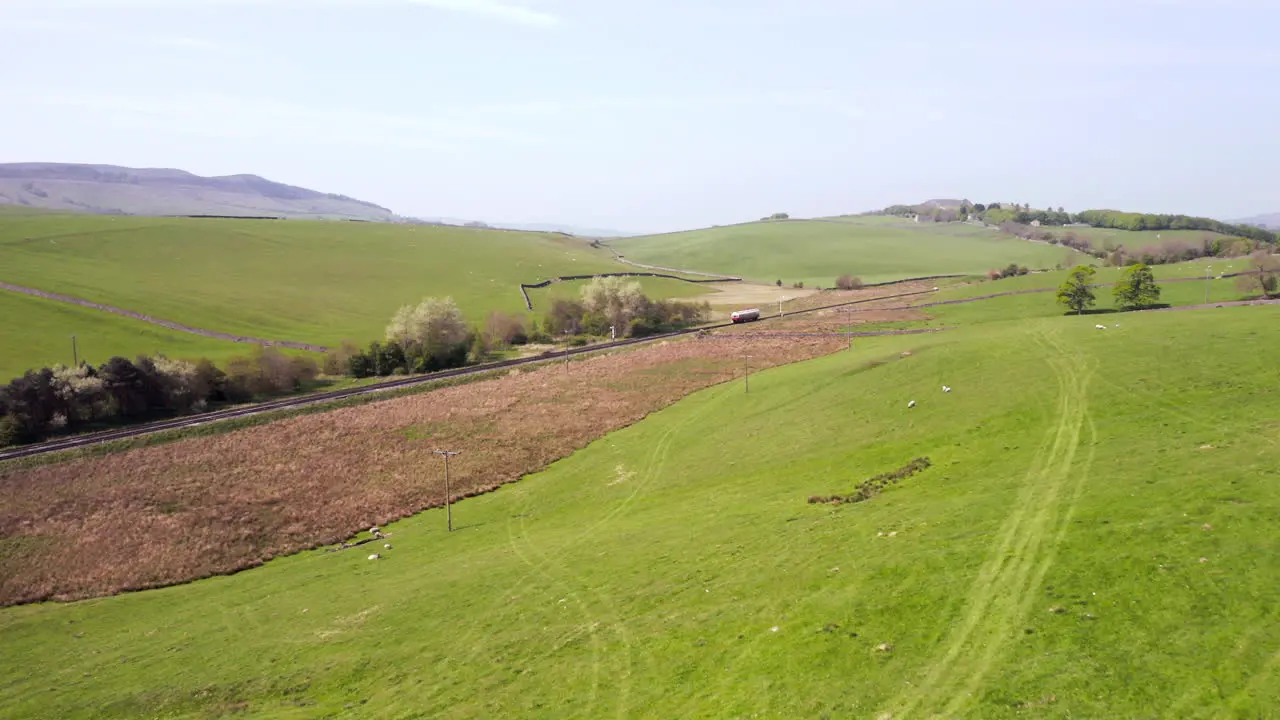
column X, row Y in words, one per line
column 1270, row 221
column 531, row 227
column 108, row 189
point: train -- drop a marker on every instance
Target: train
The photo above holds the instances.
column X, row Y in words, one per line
column 742, row 316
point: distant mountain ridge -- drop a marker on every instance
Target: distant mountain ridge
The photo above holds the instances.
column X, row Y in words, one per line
column 111, row 189
column 1271, row 221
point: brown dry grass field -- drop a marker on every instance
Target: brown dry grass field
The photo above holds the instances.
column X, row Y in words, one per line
column 213, row 505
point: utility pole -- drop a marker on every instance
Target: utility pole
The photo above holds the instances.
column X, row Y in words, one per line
column 1208, row 282
column 746, row 373
column 448, row 509
column 848, row 319
column 75, row 354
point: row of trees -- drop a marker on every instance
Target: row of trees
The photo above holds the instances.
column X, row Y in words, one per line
column 620, row 304
column 1010, row 270
column 60, row 398
column 433, row 335
column 426, row 337
column 1145, row 221
column 1136, row 289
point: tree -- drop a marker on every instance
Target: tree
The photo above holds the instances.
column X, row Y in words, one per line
column 1137, row 288
column 617, row 300
column 429, row 331
column 779, row 282
column 1263, row 275
column 503, row 330
column 1075, row 293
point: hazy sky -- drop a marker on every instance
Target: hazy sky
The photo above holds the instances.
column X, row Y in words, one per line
column 664, row 114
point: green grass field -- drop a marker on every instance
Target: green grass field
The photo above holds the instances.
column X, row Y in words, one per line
column 37, row 333
column 317, row 282
column 652, row 287
column 1110, row 238
column 1094, row 539
column 1212, row 267
column 816, row 252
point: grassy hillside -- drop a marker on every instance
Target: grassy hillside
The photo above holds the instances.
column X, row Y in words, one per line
column 311, row 282
column 1093, row 539
column 878, row 249
column 1221, row 289
column 652, row 287
column 37, row 333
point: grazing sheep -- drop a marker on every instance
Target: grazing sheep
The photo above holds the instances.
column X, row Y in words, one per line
column 1101, row 327
column 376, row 533
column 911, row 404
column 946, row 389
column 374, row 556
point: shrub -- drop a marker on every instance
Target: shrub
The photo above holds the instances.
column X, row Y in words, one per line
column 502, row 330
column 848, row 282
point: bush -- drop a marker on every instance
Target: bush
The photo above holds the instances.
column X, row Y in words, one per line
column 503, row 330
column 338, row 362
column 848, row 282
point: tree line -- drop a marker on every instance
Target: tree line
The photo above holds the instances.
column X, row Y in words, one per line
column 63, row 399
column 426, row 337
column 1022, row 220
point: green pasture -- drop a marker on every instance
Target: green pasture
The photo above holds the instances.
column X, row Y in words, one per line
column 1209, row 268
column 816, row 252
column 37, row 333
column 316, row 282
column 1134, row 240
column 652, row 287
column 1095, row 538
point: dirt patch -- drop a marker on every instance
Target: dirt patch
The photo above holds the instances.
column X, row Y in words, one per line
column 742, row 295
column 213, row 505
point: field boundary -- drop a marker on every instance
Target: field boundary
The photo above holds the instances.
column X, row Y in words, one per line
column 59, row 297
column 525, row 287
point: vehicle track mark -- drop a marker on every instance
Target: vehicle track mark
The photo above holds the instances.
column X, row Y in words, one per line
column 1003, row 591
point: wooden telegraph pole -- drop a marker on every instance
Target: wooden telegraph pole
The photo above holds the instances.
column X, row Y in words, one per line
column 448, row 509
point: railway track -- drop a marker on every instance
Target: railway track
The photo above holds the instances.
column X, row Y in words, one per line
column 188, row 421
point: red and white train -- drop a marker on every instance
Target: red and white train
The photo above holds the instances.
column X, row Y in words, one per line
column 742, row 316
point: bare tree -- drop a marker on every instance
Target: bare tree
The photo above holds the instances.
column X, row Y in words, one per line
column 1263, row 274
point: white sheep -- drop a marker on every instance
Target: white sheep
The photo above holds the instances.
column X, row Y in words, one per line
column 911, row 404
column 946, row 389
column 1101, row 327
column 374, row 556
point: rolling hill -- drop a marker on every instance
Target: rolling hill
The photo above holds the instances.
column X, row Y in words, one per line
column 305, row 281
column 108, row 189
column 816, row 252
column 1093, row 537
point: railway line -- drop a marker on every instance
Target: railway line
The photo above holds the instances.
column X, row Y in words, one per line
column 188, row 421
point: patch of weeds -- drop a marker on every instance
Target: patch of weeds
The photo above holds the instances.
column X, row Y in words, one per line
column 868, row 489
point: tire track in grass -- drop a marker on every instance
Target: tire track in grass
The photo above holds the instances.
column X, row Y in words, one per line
column 548, row 565
column 1001, row 595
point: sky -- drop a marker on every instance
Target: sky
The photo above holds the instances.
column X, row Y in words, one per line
column 659, row 115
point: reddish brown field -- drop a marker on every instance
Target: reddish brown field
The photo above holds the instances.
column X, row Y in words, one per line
column 212, row 505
